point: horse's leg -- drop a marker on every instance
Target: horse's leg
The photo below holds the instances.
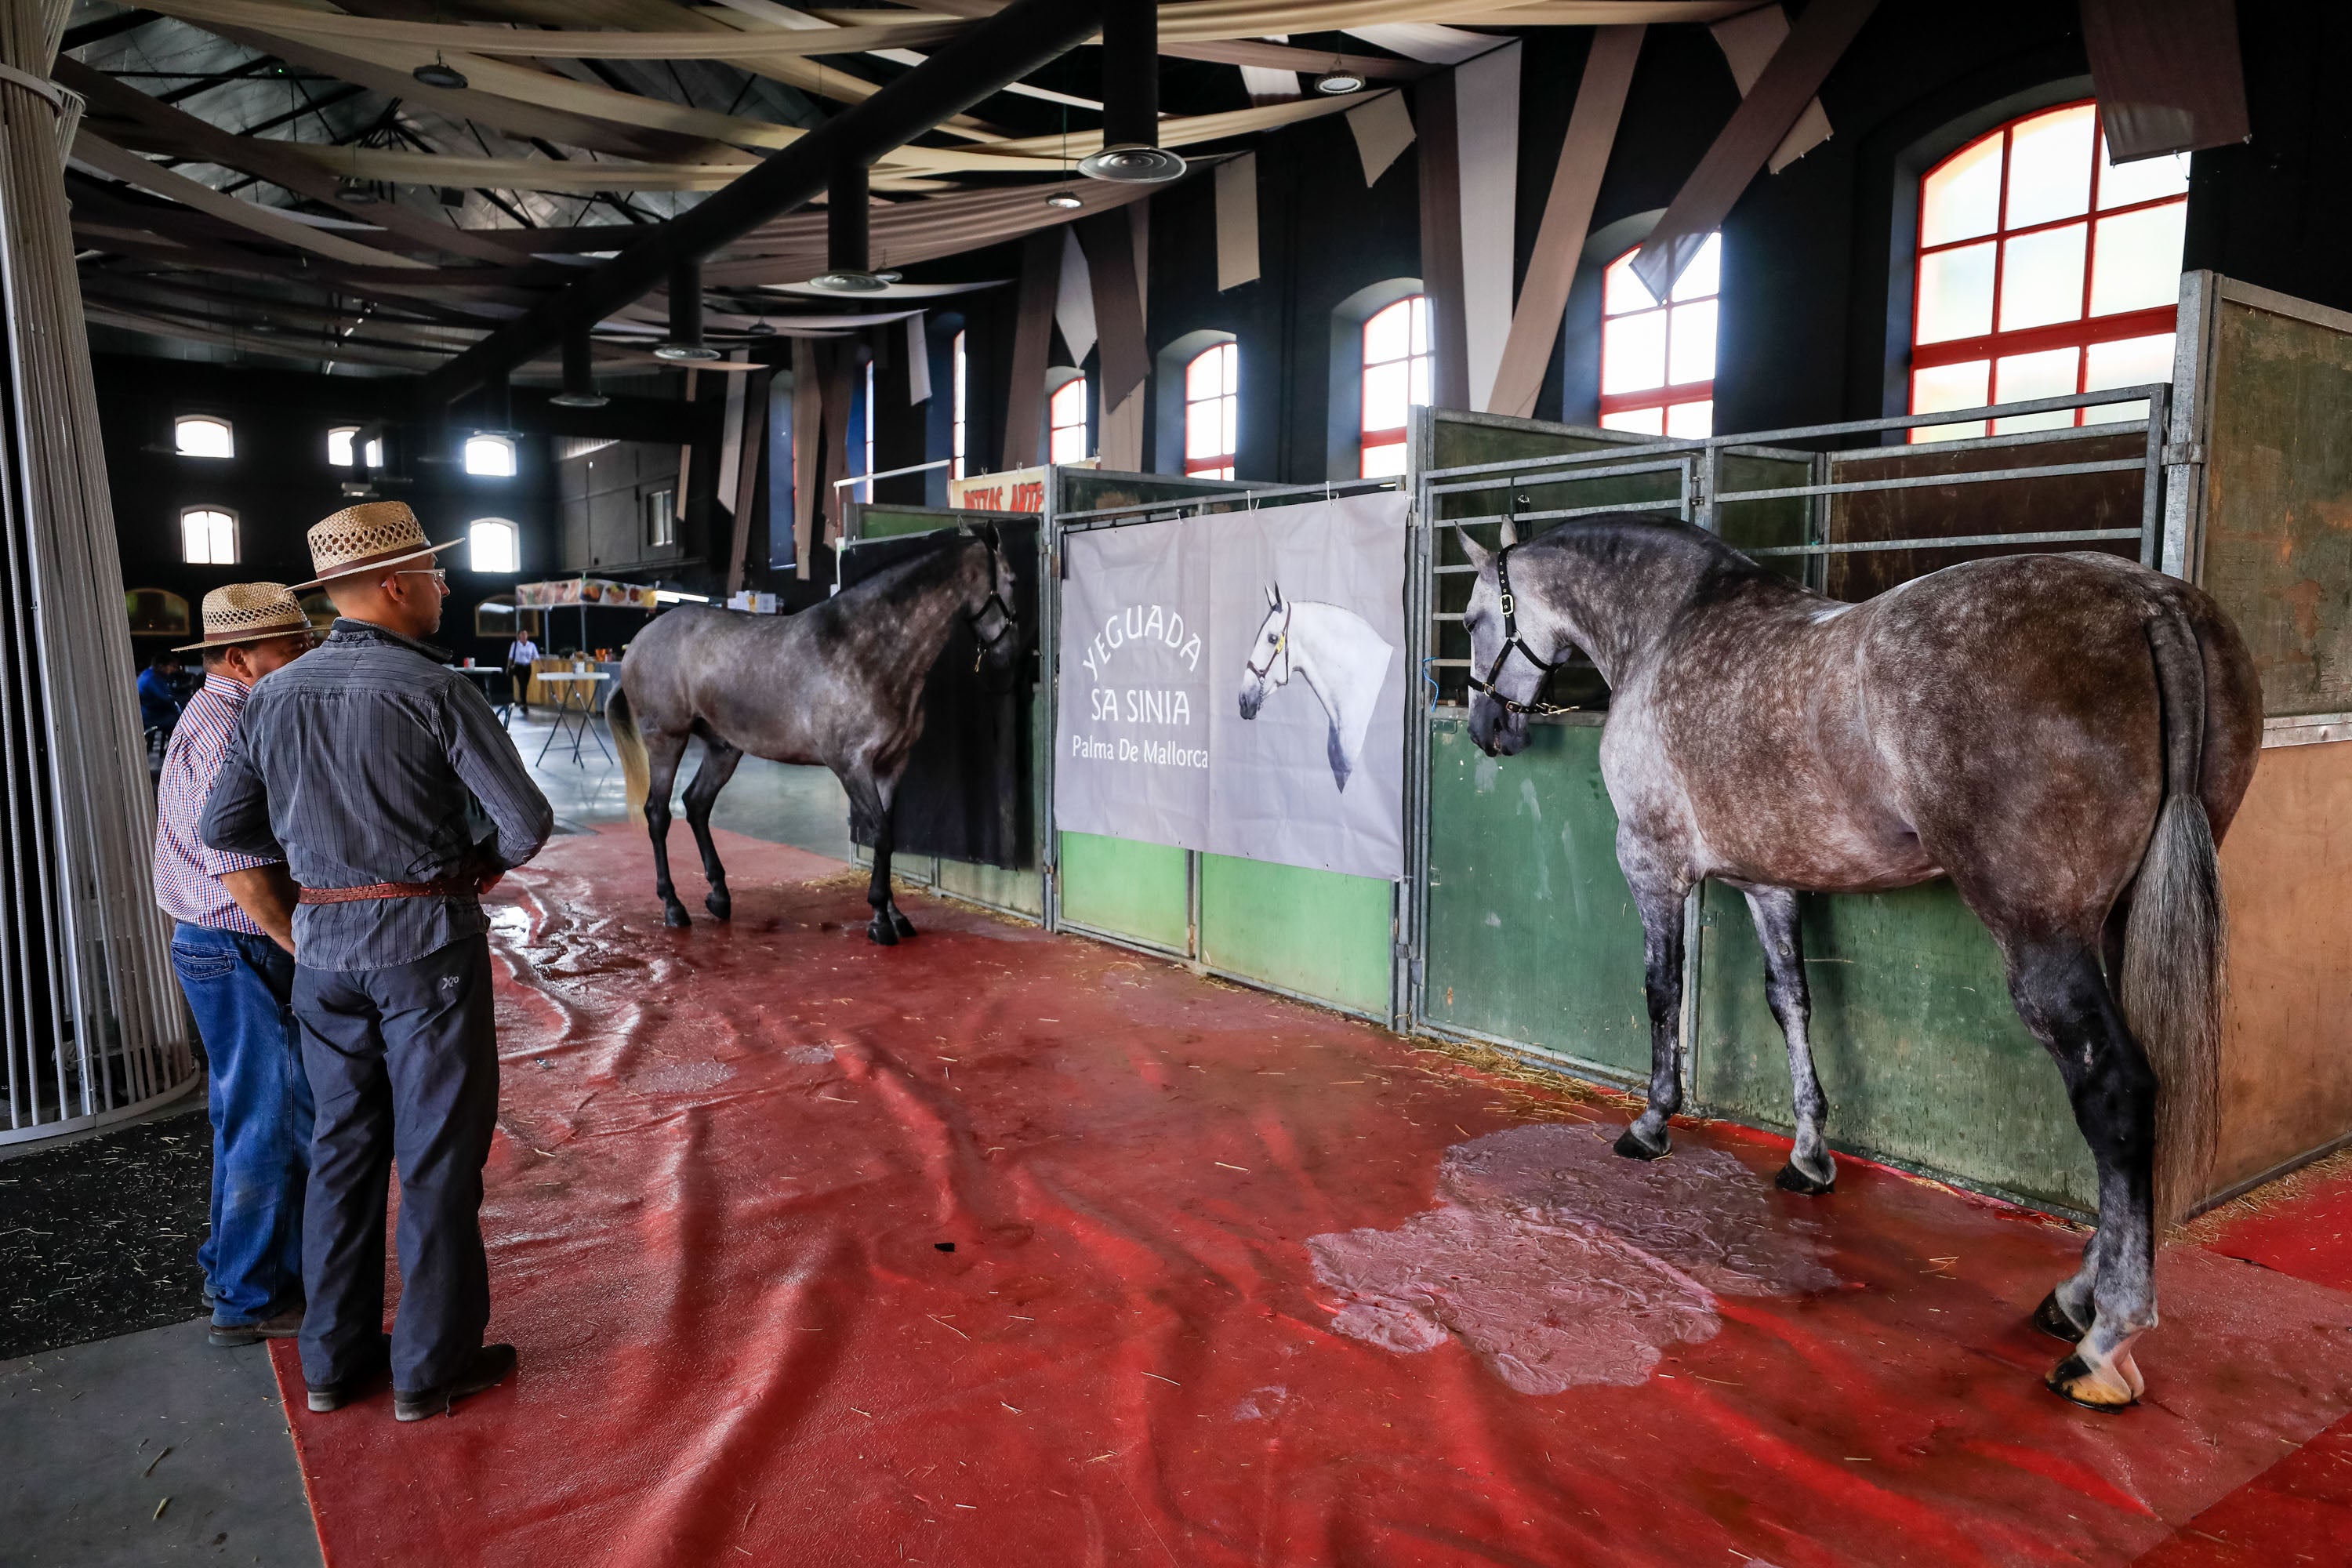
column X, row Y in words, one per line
column 888, row 835
column 1662, row 984
column 663, row 753
column 1811, row 1167
column 865, row 798
column 2111, row 1300
column 719, row 760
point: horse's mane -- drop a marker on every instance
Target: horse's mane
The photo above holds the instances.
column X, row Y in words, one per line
column 902, row 583
column 1654, row 542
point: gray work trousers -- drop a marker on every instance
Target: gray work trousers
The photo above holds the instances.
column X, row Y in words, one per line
column 404, row 1067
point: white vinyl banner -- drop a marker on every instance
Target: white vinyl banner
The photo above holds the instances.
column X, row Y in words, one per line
column 1235, row 684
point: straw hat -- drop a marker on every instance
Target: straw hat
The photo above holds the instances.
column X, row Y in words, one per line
column 249, row 612
column 365, row 537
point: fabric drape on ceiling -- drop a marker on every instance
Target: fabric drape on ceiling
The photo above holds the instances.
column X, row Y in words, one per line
column 1122, row 306
column 808, row 423
column 792, row 249
column 1486, row 128
column 1567, row 217
column 1763, row 117
column 731, row 434
column 745, row 477
column 1033, row 334
column 1073, row 300
column 918, row 359
column 1441, row 242
column 1237, row 222
column 2168, row 75
column 841, row 369
column 1382, row 127
column 1749, row 43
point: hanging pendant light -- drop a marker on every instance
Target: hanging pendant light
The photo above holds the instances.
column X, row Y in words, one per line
column 1130, row 49
column 1341, row 78
column 1067, row 199
column 686, row 342
column 438, row 72
column 579, row 374
column 846, row 234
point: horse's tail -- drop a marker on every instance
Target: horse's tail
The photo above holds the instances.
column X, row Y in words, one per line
column 2176, row 938
column 636, row 774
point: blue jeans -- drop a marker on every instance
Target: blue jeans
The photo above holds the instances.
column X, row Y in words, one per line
column 238, row 987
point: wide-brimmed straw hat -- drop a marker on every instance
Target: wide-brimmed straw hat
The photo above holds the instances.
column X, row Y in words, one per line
column 249, row 612
column 366, row 538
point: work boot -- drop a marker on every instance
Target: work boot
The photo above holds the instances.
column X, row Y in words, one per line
column 327, row 1396
column 283, row 1325
column 485, row 1369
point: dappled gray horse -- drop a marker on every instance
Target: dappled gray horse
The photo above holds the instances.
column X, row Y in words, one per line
column 2065, row 736
column 839, row 684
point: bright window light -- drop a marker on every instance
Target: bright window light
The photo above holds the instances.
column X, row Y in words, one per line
column 491, row 457
column 493, row 544
column 1066, row 420
column 963, row 410
column 1657, row 361
column 338, row 445
column 1396, row 381
column 208, row 537
column 1213, row 406
column 202, row 436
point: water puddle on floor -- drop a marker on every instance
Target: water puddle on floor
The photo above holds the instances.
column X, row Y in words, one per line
column 1557, row 1262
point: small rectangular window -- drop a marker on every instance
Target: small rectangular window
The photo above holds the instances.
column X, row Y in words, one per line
column 661, row 518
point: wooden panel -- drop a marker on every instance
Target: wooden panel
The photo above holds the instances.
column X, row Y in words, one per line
column 1532, row 935
column 1140, row 891
column 2278, row 502
column 2286, row 867
column 1922, row 1056
column 1313, row 933
column 1933, row 511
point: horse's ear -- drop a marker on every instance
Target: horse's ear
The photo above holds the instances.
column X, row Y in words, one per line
column 1510, row 531
column 1274, row 595
column 1479, row 554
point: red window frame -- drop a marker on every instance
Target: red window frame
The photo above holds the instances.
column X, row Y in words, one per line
column 1370, row 439
column 2085, row 330
column 1215, row 465
column 1667, row 395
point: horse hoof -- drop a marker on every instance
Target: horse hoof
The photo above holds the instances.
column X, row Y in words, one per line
column 720, row 906
column 877, row 931
column 2093, row 1387
column 674, row 915
column 1793, row 1180
column 1630, row 1144
column 904, row 926
column 2051, row 1320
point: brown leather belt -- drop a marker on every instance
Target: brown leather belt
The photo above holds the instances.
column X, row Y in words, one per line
column 447, row 887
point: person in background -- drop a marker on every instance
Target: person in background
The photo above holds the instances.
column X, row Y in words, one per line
column 359, row 764
column 159, row 699
column 232, row 953
column 522, row 654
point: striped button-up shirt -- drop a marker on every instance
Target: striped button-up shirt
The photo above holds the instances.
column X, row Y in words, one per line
column 363, row 760
column 187, row 871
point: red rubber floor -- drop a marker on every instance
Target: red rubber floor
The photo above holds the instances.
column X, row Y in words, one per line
column 1002, row 1248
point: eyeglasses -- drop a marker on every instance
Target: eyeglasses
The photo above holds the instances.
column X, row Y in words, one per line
column 440, row 577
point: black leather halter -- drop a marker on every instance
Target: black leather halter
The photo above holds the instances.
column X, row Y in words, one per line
column 1281, row 651
column 1512, row 642
column 1010, row 623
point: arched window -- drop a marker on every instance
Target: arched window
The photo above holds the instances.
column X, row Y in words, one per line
column 1657, row 361
column 2044, row 270
column 1065, row 421
column 156, row 612
column 492, row 457
column 208, row 536
column 962, row 409
column 866, row 490
column 1213, row 411
column 493, row 544
column 339, row 446
column 1396, row 381
column 202, row 436
column 372, row 454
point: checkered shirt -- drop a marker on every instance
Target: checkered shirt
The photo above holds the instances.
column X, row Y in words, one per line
column 187, row 873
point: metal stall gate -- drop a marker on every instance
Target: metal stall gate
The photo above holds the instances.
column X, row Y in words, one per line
column 1318, row 935
column 1522, row 933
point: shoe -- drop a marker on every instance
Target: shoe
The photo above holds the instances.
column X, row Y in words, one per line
column 328, row 1397
column 283, row 1325
column 485, row 1369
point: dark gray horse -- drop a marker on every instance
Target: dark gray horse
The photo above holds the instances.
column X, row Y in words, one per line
column 2065, row 736
column 840, row 684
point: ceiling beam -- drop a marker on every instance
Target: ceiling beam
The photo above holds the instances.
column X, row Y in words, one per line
column 1007, row 47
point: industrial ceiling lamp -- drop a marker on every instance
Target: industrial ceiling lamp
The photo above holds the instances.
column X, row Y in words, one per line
column 438, row 72
column 686, row 342
column 1131, row 49
column 1065, row 199
column 1341, row 78
column 846, row 234
column 355, row 192
column 579, row 374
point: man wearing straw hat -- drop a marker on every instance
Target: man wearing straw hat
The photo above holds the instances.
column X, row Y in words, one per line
column 232, row 950
column 362, row 763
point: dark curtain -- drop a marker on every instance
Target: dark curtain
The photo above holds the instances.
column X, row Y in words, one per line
column 966, row 792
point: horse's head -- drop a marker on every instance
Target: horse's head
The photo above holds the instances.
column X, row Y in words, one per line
column 1502, row 684
column 1269, row 656
column 989, row 603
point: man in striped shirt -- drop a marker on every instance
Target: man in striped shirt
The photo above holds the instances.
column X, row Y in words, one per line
column 232, row 950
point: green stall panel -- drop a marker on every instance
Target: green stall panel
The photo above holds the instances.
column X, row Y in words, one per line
column 1017, row 890
column 1128, row 889
column 1317, row 934
column 1922, row 1058
column 1531, row 932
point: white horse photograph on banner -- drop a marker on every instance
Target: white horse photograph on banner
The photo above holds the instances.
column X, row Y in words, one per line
column 1343, row 661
